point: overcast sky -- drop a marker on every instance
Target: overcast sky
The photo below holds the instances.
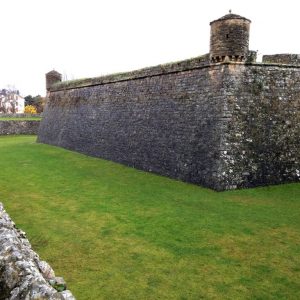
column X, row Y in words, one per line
column 87, row 38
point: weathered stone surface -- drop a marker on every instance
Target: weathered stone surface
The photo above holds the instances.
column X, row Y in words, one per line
column 19, row 127
column 51, row 78
column 229, row 38
column 58, row 283
column 223, row 126
column 22, row 275
column 46, row 270
column 165, row 124
column 289, row 59
column 261, row 126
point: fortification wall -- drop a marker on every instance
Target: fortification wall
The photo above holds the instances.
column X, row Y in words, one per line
column 260, row 141
column 166, row 123
column 22, row 274
column 222, row 126
column 282, row 59
column 19, row 127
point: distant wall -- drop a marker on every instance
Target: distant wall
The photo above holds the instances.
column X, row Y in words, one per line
column 19, row 127
column 223, row 126
column 288, row 59
column 22, row 274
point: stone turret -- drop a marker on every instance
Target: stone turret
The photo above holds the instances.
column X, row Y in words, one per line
column 51, row 78
column 229, row 38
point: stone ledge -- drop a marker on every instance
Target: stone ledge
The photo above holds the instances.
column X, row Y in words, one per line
column 284, row 58
column 23, row 276
column 188, row 64
column 164, row 69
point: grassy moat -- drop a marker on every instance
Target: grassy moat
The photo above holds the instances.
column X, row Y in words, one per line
column 118, row 233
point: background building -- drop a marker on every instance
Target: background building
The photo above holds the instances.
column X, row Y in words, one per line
column 11, row 101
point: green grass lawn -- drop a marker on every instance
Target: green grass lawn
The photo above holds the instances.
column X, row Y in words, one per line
column 20, row 119
column 117, row 233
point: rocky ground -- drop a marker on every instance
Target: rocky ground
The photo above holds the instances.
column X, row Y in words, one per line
column 22, row 274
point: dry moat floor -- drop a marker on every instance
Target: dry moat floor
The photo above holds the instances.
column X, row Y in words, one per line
column 117, row 233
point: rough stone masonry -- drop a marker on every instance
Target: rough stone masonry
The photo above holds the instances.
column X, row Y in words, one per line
column 220, row 120
column 19, row 127
column 23, row 276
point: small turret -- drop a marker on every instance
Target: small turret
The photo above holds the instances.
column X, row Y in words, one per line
column 51, row 78
column 229, row 38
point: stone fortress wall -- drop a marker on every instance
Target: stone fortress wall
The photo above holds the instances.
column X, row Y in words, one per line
column 220, row 120
column 288, row 59
column 19, row 127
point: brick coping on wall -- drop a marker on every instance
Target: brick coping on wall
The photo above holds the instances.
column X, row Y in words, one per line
column 199, row 62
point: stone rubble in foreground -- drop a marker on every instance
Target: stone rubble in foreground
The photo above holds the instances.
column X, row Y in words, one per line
column 22, row 274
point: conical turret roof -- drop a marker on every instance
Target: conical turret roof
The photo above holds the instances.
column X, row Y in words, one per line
column 53, row 72
column 230, row 16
